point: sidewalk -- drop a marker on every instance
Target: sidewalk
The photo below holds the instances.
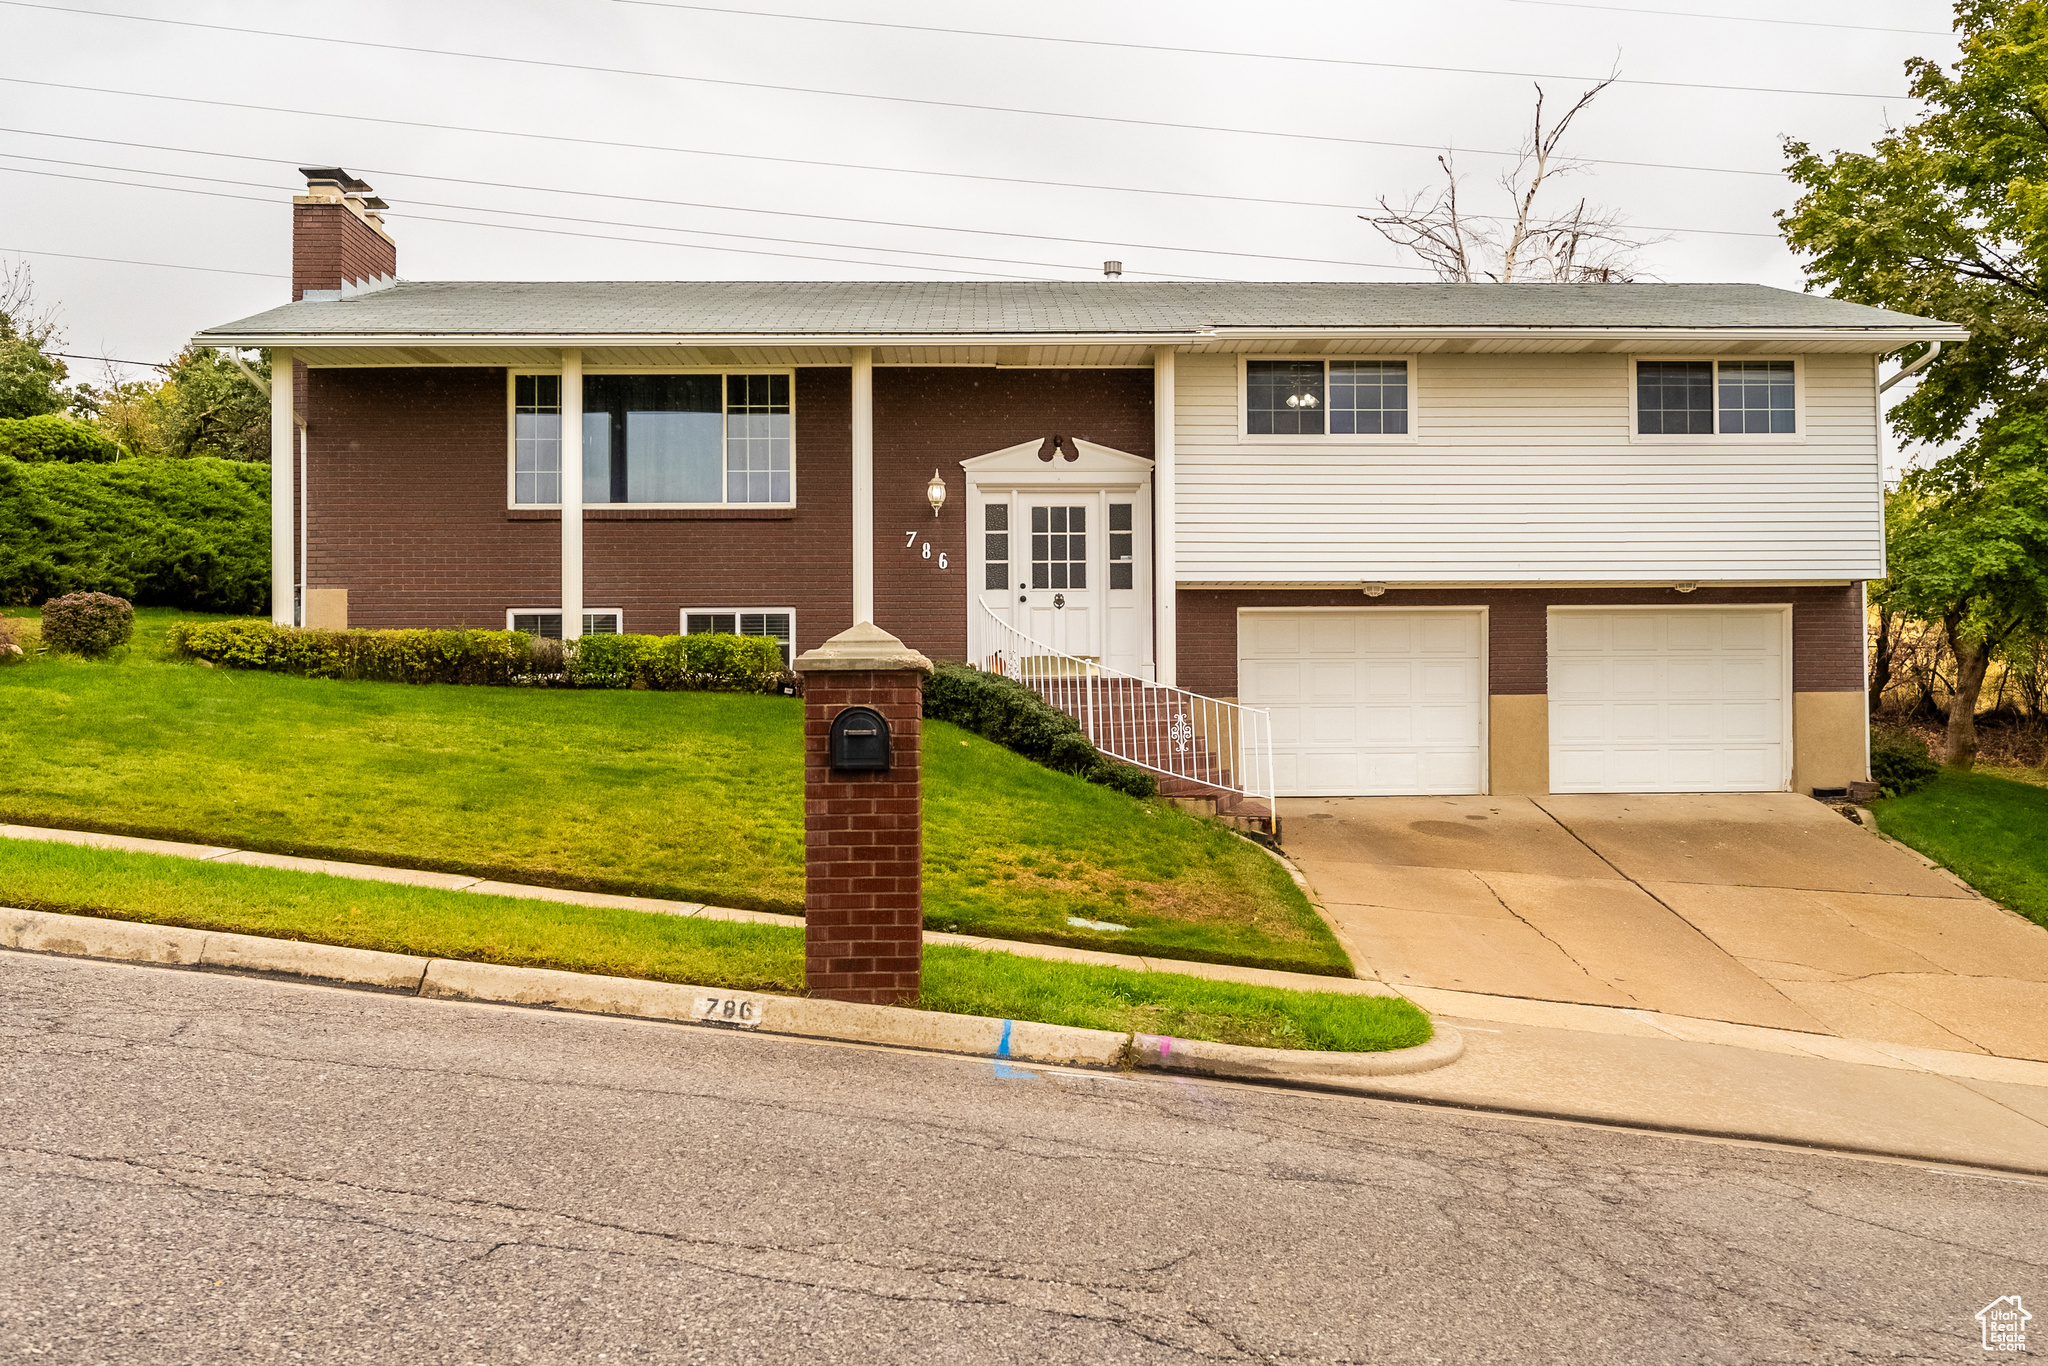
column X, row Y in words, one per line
column 1604, row 1064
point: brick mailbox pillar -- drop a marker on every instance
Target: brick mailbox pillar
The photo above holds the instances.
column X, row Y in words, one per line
column 863, row 823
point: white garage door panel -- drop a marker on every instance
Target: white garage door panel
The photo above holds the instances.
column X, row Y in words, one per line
column 1368, row 703
column 1682, row 701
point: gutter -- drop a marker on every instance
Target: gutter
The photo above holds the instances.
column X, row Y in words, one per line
column 1885, row 339
column 1933, row 350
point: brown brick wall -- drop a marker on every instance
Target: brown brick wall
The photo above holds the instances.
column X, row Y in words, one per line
column 408, row 513
column 864, row 846
column 937, row 417
column 1827, row 627
column 330, row 244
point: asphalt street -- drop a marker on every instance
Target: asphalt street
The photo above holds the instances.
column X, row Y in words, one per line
column 205, row 1168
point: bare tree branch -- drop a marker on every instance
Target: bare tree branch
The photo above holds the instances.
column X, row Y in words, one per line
column 1584, row 244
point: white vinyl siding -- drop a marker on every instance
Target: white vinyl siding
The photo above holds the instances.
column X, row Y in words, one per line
column 1526, row 468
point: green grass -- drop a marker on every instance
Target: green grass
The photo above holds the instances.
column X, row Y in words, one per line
column 692, row 796
column 767, row 958
column 1989, row 831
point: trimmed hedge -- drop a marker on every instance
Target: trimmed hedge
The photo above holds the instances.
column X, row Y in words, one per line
column 54, row 439
column 193, row 534
column 1007, row 712
column 696, row 663
column 88, row 624
column 1900, row 763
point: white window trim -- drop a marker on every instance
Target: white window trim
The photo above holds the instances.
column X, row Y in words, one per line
column 512, row 435
column 683, row 620
column 1244, row 405
column 1796, row 435
column 617, row 615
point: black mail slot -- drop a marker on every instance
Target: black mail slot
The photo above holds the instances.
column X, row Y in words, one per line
column 859, row 741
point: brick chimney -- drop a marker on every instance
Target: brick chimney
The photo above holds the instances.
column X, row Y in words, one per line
column 338, row 239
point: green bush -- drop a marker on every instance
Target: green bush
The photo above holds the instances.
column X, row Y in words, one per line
column 701, row 663
column 193, row 534
column 1900, row 763
column 88, row 624
column 54, row 439
column 1007, row 712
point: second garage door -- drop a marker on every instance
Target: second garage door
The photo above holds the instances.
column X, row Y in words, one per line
column 1368, row 702
column 1691, row 700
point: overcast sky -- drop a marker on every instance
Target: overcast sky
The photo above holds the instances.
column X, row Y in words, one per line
column 937, row 185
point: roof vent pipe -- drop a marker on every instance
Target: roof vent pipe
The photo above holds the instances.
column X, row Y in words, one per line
column 1113, row 269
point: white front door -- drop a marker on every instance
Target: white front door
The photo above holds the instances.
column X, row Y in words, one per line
column 1691, row 699
column 1370, row 702
column 1062, row 552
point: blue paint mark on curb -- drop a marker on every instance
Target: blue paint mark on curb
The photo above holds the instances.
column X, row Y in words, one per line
column 1003, row 1048
column 1003, row 1070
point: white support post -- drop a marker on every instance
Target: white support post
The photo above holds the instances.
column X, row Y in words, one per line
column 863, row 484
column 283, row 447
column 572, row 493
column 1165, row 644
column 305, row 519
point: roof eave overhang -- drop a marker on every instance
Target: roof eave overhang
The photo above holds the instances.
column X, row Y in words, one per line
column 1880, row 338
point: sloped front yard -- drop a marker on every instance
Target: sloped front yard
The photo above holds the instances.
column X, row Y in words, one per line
column 1989, row 831
column 692, row 796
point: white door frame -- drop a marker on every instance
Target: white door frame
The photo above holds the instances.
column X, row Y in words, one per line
column 1018, row 470
column 1483, row 612
column 1784, row 610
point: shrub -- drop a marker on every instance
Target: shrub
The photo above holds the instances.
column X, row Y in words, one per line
column 1900, row 763
column 89, row 624
column 1007, row 712
column 55, row 439
column 166, row 533
column 698, row 663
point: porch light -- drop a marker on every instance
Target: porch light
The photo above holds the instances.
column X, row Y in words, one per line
column 936, row 492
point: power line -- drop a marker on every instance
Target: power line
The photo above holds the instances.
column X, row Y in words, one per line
column 160, row 265
column 685, row 204
column 1252, row 56
column 1735, row 18
column 846, row 94
column 606, row 237
column 113, row 360
column 1259, row 200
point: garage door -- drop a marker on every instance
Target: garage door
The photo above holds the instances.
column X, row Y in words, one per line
column 1669, row 701
column 1368, row 703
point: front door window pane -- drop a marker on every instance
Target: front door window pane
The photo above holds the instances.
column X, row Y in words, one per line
column 995, row 522
column 1059, row 547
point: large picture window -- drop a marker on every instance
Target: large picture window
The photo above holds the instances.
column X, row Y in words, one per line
column 1703, row 397
column 1326, row 398
column 661, row 440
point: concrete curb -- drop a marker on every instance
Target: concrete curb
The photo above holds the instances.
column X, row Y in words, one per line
column 77, row 936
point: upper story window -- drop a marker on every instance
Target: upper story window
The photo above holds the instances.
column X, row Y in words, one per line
column 1702, row 397
column 1334, row 398
column 659, row 439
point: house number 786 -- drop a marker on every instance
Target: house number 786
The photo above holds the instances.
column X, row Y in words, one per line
column 910, row 543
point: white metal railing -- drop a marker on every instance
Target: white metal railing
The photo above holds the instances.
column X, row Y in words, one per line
column 1168, row 731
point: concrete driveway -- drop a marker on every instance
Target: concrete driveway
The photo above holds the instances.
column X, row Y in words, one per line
column 1757, row 909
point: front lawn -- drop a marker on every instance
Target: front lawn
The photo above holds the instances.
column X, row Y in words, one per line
column 691, row 796
column 768, row 958
column 1989, row 831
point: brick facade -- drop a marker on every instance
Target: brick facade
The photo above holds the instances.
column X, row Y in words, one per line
column 1827, row 627
column 330, row 245
column 864, row 846
column 408, row 502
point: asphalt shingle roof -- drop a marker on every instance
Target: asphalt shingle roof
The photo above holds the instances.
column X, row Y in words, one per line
column 1107, row 307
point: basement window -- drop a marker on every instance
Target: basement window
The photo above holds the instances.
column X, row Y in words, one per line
column 776, row 623
column 546, row 623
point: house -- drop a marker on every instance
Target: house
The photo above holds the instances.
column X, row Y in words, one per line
column 1455, row 538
